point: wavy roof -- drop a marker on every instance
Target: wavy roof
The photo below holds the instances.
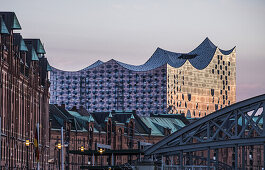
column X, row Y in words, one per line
column 199, row 58
column 97, row 63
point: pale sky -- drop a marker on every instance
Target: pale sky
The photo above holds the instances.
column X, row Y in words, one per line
column 76, row 33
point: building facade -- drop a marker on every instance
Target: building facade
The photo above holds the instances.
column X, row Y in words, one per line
column 195, row 83
column 24, row 97
column 120, row 130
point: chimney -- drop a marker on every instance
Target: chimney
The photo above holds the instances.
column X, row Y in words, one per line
column 74, row 108
column 63, row 106
column 167, row 131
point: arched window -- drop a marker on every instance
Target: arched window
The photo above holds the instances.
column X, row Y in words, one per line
column 90, row 136
column 109, row 133
column 119, row 138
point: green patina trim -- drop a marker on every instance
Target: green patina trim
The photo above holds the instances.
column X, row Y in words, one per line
column 16, row 24
column 23, row 46
column 34, row 55
column 91, row 119
column 49, row 68
column 40, row 48
column 4, row 29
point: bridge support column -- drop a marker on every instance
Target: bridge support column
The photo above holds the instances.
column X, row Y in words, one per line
column 208, row 158
column 243, row 160
column 181, row 159
column 216, row 155
column 112, row 159
column 93, row 160
column 236, row 157
column 162, row 162
column 263, row 153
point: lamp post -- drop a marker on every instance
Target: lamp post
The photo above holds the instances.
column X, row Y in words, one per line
column 59, row 146
column 101, row 152
column 27, row 143
column 82, row 149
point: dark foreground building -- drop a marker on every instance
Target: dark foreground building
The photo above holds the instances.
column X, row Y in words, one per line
column 122, row 131
column 195, row 83
column 23, row 97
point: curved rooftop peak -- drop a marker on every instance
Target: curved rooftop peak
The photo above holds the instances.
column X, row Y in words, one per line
column 227, row 52
column 97, row 63
column 207, row 40
column 199, row 58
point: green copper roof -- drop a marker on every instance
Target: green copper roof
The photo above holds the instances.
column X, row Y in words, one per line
column 40, row 48
column 4, row 29
column 158, row 123
column 49, row 67
column 34, row 55
column 16, row 24
column 23, row 46
column 75, row 114
column 91, row 119
column 255, row 118
column 83, row 118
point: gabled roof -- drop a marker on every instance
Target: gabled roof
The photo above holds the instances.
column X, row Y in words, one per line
column 59, row 115
column 37, row 45
column 34, row 56
column 31, row 55
column 11, row 21
column 3, row 28
column 158, row 124
column 154, row 125
column 100, row 118
column 18, row 40
column 122, row 117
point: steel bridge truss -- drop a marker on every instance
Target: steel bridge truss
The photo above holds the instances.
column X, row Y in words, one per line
column 236, row 126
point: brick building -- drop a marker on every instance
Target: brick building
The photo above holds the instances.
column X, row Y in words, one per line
column 120, row 130
column 24, row 96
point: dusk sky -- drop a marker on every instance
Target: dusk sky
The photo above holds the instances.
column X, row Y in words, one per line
column 76, row 33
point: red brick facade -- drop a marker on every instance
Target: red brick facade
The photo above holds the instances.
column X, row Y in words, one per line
column 23, row 96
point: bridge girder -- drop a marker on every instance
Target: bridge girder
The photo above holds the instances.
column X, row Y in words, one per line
column 240, row 124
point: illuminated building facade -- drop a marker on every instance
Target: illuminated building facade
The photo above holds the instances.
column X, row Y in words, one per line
column 24, row 97
column 195, row 83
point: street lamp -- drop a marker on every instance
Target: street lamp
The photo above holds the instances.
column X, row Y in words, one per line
column 101, row 152
column 82, row 149
column 27, row 143
column 59, row 146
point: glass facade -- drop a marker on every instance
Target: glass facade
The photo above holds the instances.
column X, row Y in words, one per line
column 196, row 83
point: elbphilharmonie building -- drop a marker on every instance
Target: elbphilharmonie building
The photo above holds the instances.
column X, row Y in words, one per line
column 195, row 83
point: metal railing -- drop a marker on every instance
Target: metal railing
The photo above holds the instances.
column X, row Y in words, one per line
column 187, row 167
